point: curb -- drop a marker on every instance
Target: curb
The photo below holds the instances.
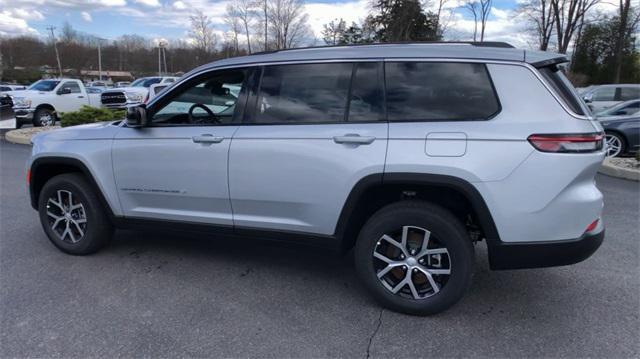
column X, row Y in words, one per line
column 23, row 136
column 619, row 172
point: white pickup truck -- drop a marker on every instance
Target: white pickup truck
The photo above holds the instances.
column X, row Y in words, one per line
column 41, row 103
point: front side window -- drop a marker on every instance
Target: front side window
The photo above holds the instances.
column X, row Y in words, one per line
column 207, row 101
column 71, row 85
column 436, row 91
column 305, row 93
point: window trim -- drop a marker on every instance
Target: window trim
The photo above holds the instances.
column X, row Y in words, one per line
column 167, row 97
column 493, row 89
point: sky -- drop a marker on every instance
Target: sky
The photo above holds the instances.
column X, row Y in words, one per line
column 169, row 19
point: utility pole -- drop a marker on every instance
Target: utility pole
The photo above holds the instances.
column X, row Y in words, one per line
column 99, row 60
column 265, row 25
column 55, row 47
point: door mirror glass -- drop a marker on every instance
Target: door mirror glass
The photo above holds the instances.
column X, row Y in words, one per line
column 64, row 91
column 136, row 116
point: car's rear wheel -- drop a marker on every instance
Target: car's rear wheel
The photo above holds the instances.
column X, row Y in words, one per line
column 415, row 257
column 72, row 215
column 615, row 144
column 44, row 117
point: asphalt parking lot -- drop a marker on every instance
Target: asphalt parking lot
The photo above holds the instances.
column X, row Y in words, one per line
column 169, row 296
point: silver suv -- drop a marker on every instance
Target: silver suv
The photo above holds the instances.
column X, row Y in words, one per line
column 408, row 154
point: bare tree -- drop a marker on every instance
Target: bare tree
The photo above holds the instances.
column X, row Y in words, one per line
column 442, row 23
column 245, row 11
column 202, row 32
column 288, row 23
column 569, row 15
column 541, row 15
column 485, row 11
column 473, row 8
column 233, row 22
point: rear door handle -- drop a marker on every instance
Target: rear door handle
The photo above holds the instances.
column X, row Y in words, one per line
column 80, row 96
column 207, row 138
column 353, row 138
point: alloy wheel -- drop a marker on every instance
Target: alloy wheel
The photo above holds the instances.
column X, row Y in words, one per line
column 67, row 216
column 415, row 266
column 46, row 119
column 614, row 145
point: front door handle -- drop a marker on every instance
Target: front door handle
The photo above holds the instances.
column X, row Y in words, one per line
column 355, row 139
column 80, row 96
column 207, row 138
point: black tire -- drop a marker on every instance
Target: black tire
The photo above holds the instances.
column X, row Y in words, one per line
column 97, row 230
column 18, row 124
column 446, row 231
column 42, row 112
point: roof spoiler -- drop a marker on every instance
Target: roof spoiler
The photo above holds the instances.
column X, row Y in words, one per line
column 549, row 62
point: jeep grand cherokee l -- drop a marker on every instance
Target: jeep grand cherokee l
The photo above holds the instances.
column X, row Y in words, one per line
column 408, row 154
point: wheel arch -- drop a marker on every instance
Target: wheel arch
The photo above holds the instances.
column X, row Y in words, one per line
column 44, row 168
column 46, row 106
column 377, row 190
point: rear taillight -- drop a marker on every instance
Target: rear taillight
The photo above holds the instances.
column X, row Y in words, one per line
column 28, row 176
column 592, row 226
column 567, row 143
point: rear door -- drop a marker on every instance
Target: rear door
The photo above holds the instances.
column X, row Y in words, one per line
column 311, row 134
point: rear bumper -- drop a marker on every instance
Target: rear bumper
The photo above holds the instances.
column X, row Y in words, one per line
column 543, row 254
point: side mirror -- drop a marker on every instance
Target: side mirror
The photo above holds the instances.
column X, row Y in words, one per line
column 136, row 116
column 64, row 91
column 588, row 98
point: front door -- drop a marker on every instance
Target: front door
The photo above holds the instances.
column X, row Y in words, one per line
column 72, row 100
column 176, row 168
column 309, row 137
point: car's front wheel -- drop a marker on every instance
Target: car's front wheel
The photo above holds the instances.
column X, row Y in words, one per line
column 415, row 257
column 72, row 215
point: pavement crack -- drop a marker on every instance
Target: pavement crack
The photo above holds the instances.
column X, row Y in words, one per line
column 373, row 335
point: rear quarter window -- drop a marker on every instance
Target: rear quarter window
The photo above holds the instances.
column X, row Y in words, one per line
column 562, row 87
column 439, row 91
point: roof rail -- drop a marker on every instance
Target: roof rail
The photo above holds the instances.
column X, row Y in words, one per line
column 472, row 43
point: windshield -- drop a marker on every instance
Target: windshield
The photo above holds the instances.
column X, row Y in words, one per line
column 146, row 82
column 44, row 85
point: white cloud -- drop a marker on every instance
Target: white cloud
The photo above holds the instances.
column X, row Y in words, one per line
column 27, row 14
column 150, row 3
column 86, row 16
column 323, row 13
column 179, row 5
column 11, row 25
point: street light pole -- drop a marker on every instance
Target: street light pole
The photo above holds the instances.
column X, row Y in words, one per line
column 99, row 60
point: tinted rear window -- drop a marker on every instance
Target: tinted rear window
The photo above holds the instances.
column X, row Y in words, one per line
column 434, row 91
column 306, row 93
column 562, row 87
